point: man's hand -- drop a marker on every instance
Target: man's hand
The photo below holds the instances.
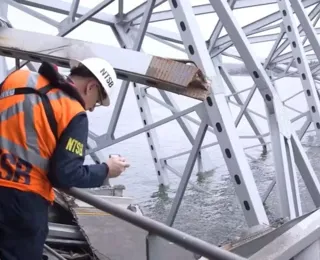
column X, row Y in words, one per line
column 117, row 165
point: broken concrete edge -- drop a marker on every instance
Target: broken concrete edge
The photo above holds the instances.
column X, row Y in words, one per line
column 71, row 208
column 77, row 210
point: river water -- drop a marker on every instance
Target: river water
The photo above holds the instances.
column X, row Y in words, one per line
column 214, row 215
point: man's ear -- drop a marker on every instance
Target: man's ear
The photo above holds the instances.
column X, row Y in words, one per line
column 88, row 87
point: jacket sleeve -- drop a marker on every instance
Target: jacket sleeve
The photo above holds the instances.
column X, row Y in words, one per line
column 66, row 164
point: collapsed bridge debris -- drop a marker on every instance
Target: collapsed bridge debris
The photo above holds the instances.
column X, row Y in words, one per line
column 88, row 233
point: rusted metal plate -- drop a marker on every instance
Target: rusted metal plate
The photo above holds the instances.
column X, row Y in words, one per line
column 176, row 72
column 188, row 80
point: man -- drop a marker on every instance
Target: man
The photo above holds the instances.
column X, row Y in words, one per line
column 43, row 135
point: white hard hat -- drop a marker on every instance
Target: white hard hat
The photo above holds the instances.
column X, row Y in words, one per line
column 103, row 71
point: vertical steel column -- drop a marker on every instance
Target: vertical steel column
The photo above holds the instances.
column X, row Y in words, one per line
column 279, row 124
column 3, row 63
column 301, row 62
column 219, row 115
column 142, row 102
column 287, row 182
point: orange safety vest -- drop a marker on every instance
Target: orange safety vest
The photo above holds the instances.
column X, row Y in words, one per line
column 33, row 115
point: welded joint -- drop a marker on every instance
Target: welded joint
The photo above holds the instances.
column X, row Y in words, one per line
column 143, row 92
column 202, row 113
column 5, row 22
column 65, row 23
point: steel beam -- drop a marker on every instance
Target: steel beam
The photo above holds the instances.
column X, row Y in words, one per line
column 293, row 241
column 217, row 111
column 279, row 124
column 206, row 9
column 142, row 103
column 64, row 30
column 286, row 43
column 32, row 12
column 301, row 62
column 139, row 11
column 103, row 143
column 108, row 19
column 62, row 231
column 204, row 162
column 62, row 7
column 105, row 18
column 120, row 9
column 218, row 28
column 73, row 10
column 309, row 29
column 272, row 37
column 150, row 70
column 252, row 27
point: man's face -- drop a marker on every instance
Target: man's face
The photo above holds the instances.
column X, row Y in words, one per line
column 91, row 94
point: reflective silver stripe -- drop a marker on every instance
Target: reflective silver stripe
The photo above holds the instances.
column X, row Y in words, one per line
column 32, row 153
column 24, row 154
column 29, row 101
column 56, row 95
column 11, row 111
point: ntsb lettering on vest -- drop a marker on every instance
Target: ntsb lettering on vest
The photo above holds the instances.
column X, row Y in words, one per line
column 14, row 169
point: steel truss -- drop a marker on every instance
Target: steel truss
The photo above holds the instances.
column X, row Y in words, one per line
column 288, row 57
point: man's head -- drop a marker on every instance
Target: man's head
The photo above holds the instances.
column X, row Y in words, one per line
column 94, row 79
